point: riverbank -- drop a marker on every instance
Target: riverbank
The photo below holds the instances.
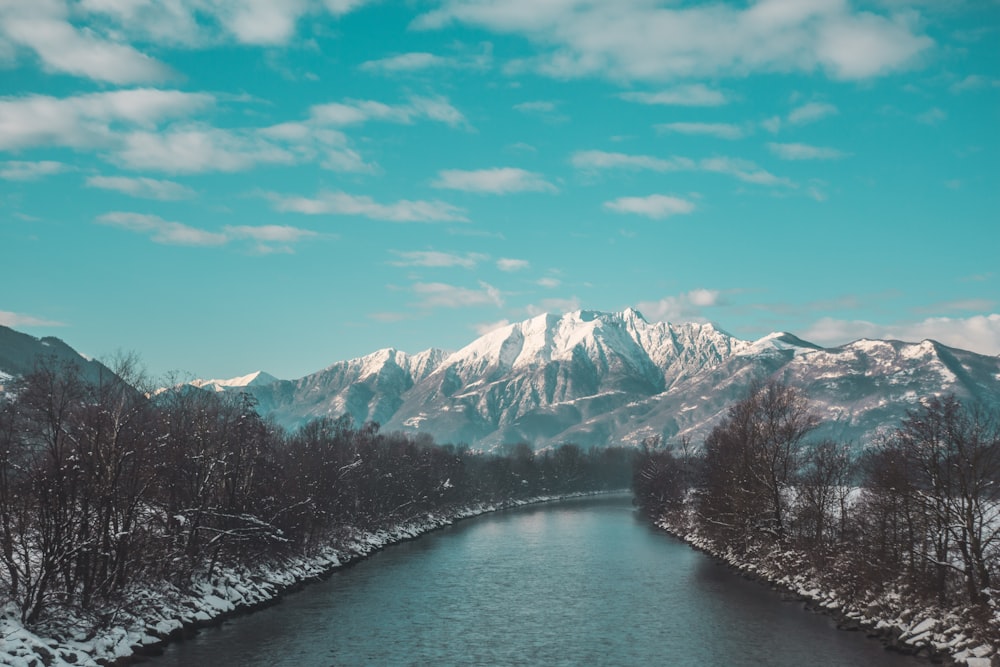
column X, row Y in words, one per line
column 949, row 636
column 166, row 613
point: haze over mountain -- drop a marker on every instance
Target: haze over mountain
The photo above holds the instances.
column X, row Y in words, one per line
column 596, row 378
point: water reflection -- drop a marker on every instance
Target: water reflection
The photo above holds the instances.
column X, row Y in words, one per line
column 574, row 583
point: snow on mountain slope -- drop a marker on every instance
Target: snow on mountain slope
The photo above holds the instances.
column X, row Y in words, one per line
column 369, row 388
column 534, row 379
column 602, row 378
column 253, row 379
column 597, row 378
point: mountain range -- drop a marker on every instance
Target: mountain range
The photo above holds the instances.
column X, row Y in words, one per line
column 597, row 378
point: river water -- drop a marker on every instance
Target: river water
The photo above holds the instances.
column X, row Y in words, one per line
column 582, row 582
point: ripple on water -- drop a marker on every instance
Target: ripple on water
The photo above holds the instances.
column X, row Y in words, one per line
column 583, row 582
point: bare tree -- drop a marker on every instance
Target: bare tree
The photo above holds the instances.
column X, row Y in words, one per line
column 750, row 460
column 823, row 486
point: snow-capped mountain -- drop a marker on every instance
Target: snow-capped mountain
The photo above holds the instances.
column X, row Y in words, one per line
column 597, row 378
column 601, row 378
column 254, row 379
column 370, row 388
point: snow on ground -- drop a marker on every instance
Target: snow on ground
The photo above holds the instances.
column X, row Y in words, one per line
column 934, row 631
column 167, row 610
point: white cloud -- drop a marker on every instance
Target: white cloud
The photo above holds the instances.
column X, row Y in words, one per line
column 339, row 7
column 418, row 61
column 694, row 95
column 685, row 307
column 536, row 106
column 199, row 148
column 269, row 233
column 443, row 295
column 484, row 328
column 436, row 259
column 811, row 112
column 342, row 203
column 346, row 160
column 720, row 130
column 744, row 170
column 643, row 40
column 510, row 265
column 29, row 171
column 816, row 193
column 83, row 121
column 163, row 231
column 772, row 124
column 147, row 188
column 805, row 152
column 548, row 282
column 804, row 114
column 974, row 82
column 126, row 124
column 703, row 297
column 261, row 22
column 199, row 23
column 522, row 147
column 652, row 206
column 356, row 112
column 593, row 160
column 406, row 62
column 932, row 116
column 43, row 27
column 171, row 22
column 309, row 141
column 865, row 45
column 554, row 306
column 176, row 233
column 498, row 181
column 10, row 319
column 979, row 333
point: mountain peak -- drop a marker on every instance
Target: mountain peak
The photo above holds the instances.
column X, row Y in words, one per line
column 255, row 379
column 782, row 340
column 631, row 313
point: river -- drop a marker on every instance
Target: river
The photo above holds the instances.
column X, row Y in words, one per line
column 580, row 582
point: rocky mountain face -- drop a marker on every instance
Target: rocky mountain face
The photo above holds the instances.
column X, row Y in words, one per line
column 371, row 388
column 598, row 378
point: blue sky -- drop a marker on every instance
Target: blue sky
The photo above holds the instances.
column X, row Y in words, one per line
column 228, row 186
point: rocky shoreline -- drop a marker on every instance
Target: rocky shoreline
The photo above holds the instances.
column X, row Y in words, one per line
column 933, row 635
column 169, row 614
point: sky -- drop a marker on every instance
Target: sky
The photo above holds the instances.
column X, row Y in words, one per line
column 223, row 187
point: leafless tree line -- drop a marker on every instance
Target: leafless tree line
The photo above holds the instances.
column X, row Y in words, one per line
column 106, row 489
column 918, row 510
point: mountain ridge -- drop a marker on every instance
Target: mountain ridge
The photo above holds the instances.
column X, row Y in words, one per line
column 20, row 353
column 597, row 378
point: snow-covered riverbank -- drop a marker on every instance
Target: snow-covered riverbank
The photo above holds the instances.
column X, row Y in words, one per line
column 948, row 635
column 167, row 612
